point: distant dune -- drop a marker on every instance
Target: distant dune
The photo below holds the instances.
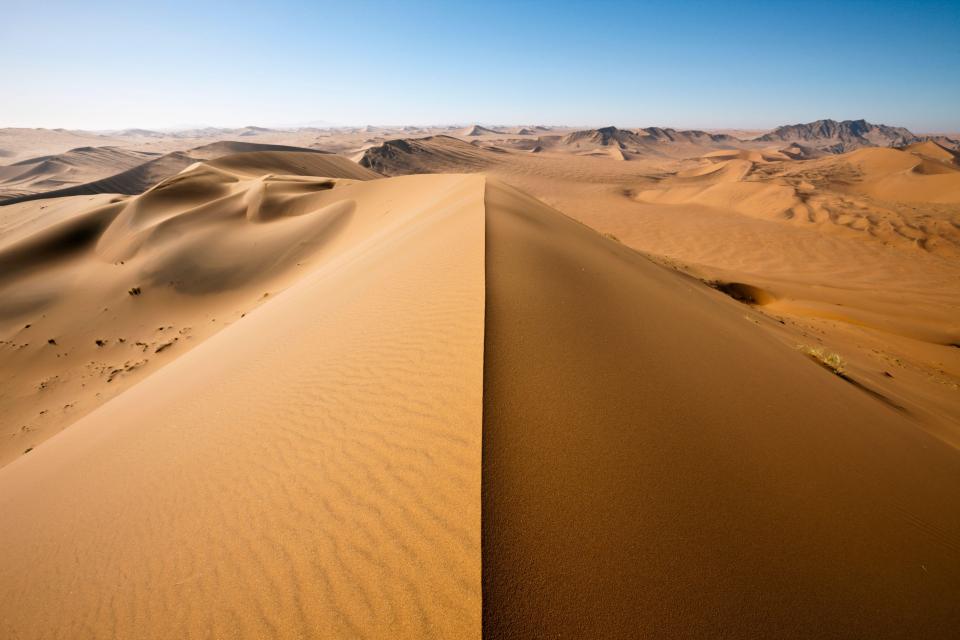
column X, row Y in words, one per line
column 142, row 176
column 477, row 130
column 21, row 144
column 80, row 165
column 652, row 141
column 435, row 154
column 58, row 166
column 934, row 151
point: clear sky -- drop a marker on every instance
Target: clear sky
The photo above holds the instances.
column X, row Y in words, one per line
column 98, row 65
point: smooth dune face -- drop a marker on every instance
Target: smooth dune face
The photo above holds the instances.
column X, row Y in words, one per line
column 655, row 466
column 311, row 471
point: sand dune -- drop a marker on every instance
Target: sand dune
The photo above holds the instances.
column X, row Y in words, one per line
column 935, row 151
column 753, row 155
column 84, row 164
column 143, row 176
column 311, row 401
column 435, row 154
column 197, row 250
column 875, row 280
column 890, row 174
column 311, row 163
column 129, row 182
column 655, row 466
column 887, row 174
column 660, row 143
column 315, row 466
column 856, row 249
column 228, row 147
column 24, row 143
column 477, row 130
column 814, row 139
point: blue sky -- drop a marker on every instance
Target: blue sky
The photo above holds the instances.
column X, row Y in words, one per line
column 690, row 64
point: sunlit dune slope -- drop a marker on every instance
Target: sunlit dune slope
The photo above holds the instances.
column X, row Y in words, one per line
column 310, row 471
column 99, row 291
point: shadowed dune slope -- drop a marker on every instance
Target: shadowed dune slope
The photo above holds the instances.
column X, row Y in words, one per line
column 302, row 163
column 311, row 471
column 100, row 291
column 654, row 465
column 228, row 147
column 269, row 157
column 76, row 166
column 129, row 182
column 435, row 154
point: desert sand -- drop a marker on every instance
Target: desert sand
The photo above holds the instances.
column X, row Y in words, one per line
column 655, row 465
column 854, row 253
column 480, row 381
column 312, row 470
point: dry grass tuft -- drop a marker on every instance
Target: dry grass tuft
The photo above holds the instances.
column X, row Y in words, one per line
column 826, row 359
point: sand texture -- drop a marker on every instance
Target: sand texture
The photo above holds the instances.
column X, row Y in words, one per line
column 310, row 471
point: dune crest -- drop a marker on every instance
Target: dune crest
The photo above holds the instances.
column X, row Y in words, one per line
column 312, row 404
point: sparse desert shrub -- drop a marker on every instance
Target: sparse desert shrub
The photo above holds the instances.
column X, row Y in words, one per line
column 826, row 359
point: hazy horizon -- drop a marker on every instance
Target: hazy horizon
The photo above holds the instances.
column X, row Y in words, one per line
column 110, row 65
column 452, row 125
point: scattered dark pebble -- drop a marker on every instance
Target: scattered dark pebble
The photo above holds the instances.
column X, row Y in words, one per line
column 165, row 346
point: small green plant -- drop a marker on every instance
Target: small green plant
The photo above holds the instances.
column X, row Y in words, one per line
column 826, row 359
